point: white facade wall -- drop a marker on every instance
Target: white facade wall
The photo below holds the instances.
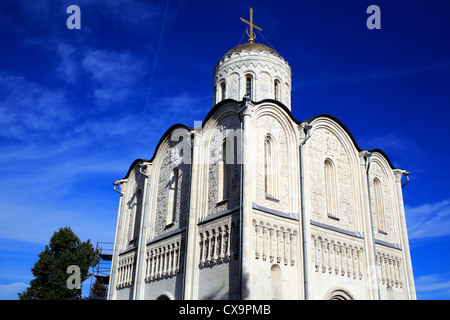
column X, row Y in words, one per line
column 265, row 67
column 247, row 242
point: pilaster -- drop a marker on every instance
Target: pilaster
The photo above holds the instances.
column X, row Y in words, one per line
column 143, row 234
column 369, row 241
column 117, row 241
column 404, row 235
column 305, row 281
column 246, row 223
column 191, row 230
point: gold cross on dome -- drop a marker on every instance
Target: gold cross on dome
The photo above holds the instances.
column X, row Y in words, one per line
column 251, row 35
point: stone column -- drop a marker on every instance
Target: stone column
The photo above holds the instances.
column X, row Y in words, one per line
column 369, row 241
column 305, row 268
column 139, row 274
column 246, row 223
column 191, row 256
column 114, row 278
column 404, row 236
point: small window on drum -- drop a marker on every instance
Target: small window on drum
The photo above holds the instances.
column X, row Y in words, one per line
column 248, row 86
column 277, row 90
column 222, row 91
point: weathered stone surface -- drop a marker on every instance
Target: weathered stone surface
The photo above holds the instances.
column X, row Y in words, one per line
column 239, row 232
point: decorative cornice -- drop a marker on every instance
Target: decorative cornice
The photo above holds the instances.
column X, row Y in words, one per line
column 292, row 216
column 166, row 235
column 340, row 230
column 217, row 215
column 388, row 244
column 250, row 53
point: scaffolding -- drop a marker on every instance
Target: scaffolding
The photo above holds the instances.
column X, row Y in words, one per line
column 101, row 271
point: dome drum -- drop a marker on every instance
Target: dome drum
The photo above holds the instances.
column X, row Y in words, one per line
column 253, row 69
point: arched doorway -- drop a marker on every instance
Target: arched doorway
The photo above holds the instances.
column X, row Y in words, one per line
column 339, row 294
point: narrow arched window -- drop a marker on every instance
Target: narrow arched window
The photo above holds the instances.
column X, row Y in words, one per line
column 275, row 282
column 224, row 174
column 222, row 90
column 248, row 85
column 378, row 205
column 330, row 189
column 270, row 168
column 172, row 199
column 137, row 215
column 277, row 90
column 135, row 218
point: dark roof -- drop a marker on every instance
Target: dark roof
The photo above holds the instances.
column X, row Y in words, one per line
column 324, row 115
column 252, row 46
column 165, row 135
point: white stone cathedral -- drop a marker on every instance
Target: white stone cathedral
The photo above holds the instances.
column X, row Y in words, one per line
column 254, row 204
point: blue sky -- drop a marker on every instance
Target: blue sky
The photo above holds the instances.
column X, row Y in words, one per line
column 77, row 107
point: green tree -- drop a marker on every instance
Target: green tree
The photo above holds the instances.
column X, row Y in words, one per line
column 99, row 290
column 50, row 271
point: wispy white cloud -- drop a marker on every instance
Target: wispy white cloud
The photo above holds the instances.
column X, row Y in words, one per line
column 433, row 286
column 65, row 57
column 9, row 291
column 29, row 110
column 136, row 14
column 115, row 75
column 68, row 67
column 44, row 187
column 35, row 222
column 388, row 141
column 186, row 102
column 403, row 151
column 326, row 79
column 428, row 220
column 29, row 173
column 432, row 283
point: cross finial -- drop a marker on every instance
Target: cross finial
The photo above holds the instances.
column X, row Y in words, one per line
column 251, row 34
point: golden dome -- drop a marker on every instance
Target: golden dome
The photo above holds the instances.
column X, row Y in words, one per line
column 252, row 46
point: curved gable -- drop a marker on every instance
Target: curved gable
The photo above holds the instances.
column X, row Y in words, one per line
column 165, row 136
column 222, row 103
column 344, row 127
